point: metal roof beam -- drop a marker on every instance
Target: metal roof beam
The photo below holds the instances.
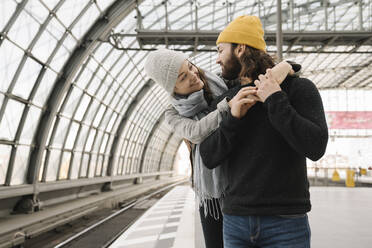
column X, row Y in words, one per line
column 208, row 38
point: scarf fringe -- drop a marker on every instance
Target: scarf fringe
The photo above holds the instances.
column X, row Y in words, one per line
column 211, row 205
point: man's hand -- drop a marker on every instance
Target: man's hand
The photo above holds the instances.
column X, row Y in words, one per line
column 266, row 85
column 243, row 101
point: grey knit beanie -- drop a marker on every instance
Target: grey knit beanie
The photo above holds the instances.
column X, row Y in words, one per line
column 163, row 65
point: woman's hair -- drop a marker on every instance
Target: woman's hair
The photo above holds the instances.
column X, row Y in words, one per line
column 207, row 91
column 254, row 62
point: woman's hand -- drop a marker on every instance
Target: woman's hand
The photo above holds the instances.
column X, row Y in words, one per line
column 243, row 101
column 281, row 71
column 266, row 85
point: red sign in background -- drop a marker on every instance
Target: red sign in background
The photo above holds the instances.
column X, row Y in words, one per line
column 349, row 119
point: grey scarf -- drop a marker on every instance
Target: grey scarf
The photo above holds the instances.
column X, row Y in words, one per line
column 209, row 184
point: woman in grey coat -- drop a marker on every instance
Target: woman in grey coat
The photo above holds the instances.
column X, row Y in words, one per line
column 191, row 91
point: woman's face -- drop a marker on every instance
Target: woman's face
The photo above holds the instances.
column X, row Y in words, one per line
column 188, row 80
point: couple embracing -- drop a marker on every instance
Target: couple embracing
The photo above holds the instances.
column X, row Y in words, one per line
column 250, row 131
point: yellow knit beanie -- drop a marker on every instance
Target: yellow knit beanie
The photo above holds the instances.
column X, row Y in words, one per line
column 244, row 30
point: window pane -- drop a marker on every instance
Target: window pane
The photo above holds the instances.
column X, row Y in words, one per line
column 104, row 169
column 99, row 166
column 70, row 10
column 50, row 3
column 11, row 118
column 37, row 10
column 84, row 78
column 10, row 58
column 7, row 7
column 27, row 78
column 61, row 133
column 104, row 142
column 112, row 121
column 99, row 115
column 103, row 4
column 52, row 165
column 108, row 99
column 23, row 30
column 86, row 21
column 20, row 165
column 45, row 87
column 102, row 90
column 94, row 84
column 93, row 107
column 92, row 165
column 82, row 107
column 84, row 166
column 72, row 101
column 65, row 165
column 75, row 165
column 4, row 160
column 89, row 144
column 48, row 40
column 60, row 58
column 72, row 135
column 106, row 118
column 30, row 126
column 82, row 137
column 109, row 144
column 97, row 141
column 43, row 47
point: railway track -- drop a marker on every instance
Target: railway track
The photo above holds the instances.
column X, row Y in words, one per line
column 101, row 228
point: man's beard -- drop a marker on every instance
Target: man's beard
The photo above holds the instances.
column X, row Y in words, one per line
column 231, row 68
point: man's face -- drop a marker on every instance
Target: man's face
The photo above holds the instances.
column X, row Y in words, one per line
column 230, row 65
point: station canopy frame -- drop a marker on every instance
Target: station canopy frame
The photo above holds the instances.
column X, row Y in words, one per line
column 76, row 103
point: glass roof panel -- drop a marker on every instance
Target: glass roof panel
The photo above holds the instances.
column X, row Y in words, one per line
column 103, row 4
column 61, row 132
column 11, row 57
column 37, row 10
column 7, row 8
column 20, row 165
column 50, row 4
column 11, row 119
column 70, row 10
column 85, row 22
column 30, row 125
column 48, row 40
column 60, row 58
column 4, row 161
column 65, row 164
column 72, row 134
column 23, row 30
column 53, row 163
column 26, row 79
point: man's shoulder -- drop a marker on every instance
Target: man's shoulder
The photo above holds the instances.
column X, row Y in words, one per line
column 299, row 84
column 300, row 89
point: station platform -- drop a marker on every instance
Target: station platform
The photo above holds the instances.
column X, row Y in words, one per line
column 340, row 217
column 169, row 223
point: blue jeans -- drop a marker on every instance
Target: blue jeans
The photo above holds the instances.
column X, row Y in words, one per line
column 266, row 231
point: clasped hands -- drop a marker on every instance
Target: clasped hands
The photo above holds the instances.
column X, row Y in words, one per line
column 248, row 96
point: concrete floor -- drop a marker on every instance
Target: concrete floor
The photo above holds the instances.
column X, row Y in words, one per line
column 340, row 217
